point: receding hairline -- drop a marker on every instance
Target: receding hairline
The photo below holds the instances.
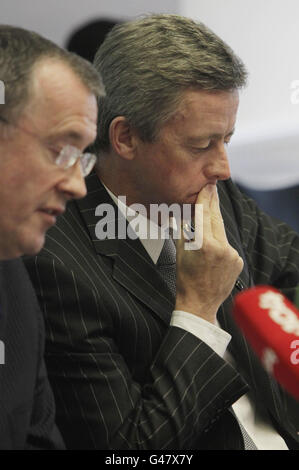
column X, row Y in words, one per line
column 35, row 90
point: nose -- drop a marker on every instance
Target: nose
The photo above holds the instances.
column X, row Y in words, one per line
column 218, row 166
column 73, row 183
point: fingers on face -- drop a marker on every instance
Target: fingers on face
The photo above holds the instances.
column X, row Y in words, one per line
column 217, row 223
column 212, row 223
column 208, row 218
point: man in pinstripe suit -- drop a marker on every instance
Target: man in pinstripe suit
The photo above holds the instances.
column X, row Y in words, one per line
column 39, row 116
column 134, row 362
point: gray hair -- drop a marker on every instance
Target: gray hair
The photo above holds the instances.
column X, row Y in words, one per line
column 146, row 64
column 20, row 51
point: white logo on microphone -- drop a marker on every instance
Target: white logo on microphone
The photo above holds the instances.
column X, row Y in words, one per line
column 279, row 312
column 295, row 355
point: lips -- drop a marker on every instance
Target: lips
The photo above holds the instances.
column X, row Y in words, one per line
column 53, row 211
column 49, row 214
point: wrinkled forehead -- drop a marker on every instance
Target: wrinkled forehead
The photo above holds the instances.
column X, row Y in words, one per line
column 206, row 111
column 217, row 101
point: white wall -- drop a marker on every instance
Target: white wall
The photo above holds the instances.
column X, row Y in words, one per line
column 265, row 34
column 55, row 19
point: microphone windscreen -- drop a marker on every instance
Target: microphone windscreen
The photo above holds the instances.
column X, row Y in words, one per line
column 270, row 323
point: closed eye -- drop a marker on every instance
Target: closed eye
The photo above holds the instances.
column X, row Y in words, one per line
column 54, row 153
column 201, row 149
column 211, row 143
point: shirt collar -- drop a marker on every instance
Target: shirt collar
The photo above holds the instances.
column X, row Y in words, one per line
column 153, row 245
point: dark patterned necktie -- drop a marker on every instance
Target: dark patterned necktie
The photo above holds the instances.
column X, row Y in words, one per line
column 166, row 265
column 248, row 442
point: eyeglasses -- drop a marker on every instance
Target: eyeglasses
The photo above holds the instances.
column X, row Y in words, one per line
column 68, row 155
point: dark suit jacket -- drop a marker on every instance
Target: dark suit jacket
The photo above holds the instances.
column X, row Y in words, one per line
column 26, row 400
column 122, row 377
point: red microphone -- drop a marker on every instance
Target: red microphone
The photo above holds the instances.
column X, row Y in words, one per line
column 270, row 323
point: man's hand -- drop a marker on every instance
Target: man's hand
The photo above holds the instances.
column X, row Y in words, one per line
column 206, row 277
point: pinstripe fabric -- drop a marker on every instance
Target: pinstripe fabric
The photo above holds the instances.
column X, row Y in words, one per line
column 27, row 409
column 122, row 377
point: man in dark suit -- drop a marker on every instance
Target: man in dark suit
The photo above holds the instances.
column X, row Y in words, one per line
column 47, row 119
column 137, row 359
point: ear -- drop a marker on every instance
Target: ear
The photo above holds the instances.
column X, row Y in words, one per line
column 122, row 137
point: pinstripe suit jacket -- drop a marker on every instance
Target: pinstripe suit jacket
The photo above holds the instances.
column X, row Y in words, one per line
column 26, row 401
column 122, row 377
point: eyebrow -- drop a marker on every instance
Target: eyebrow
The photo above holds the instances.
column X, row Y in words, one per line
column 73, row 135
column 70, row 135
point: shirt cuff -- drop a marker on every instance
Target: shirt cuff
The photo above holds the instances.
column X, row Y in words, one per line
column 210, row 334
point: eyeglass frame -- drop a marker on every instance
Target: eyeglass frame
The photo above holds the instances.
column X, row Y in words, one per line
column 90, row 157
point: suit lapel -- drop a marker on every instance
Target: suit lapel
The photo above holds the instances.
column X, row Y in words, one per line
column 256, row 376
column 132, row 266
column 238, row 345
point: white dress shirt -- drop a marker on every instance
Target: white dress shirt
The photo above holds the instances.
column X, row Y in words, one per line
column 259, row 427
